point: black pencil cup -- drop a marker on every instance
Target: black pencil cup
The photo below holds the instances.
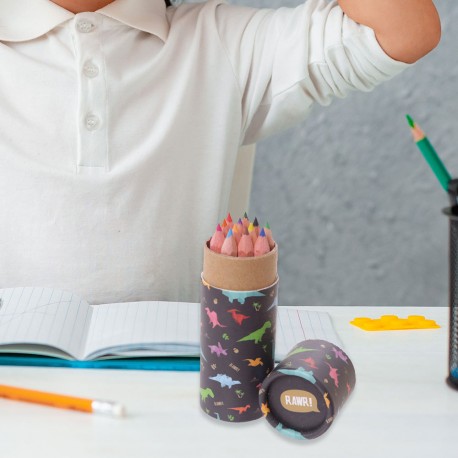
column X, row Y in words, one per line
column 453, row 296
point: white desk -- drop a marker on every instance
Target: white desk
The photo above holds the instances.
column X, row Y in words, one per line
column 401, row 406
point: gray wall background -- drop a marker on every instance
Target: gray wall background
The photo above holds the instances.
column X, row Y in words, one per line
column 354, row 207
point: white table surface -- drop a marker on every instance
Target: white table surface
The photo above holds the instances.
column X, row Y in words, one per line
column 401, row 406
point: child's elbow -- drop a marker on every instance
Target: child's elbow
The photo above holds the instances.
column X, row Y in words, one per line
column 424, row 39
column 431, row 39
column 411, row 45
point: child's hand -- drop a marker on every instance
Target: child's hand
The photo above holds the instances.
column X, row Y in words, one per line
column 405, row 29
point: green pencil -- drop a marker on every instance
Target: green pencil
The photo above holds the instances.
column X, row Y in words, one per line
column 429, row 153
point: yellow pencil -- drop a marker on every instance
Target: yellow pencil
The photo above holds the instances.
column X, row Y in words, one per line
column 62, row 401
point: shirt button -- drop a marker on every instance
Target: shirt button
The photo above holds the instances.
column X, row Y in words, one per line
column 85, row 26
column 92, row 122
column 90, row 70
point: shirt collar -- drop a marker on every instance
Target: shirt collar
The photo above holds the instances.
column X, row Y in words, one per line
column 22, row 20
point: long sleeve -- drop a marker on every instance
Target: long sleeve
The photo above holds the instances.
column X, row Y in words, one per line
column 287, row 59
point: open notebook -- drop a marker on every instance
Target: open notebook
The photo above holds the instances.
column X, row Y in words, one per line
column 51, row 322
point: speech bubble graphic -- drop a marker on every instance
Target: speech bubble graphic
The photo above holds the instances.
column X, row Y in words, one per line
column 299, row 401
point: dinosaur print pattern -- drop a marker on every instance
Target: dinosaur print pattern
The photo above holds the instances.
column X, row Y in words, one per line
column 240, row 410
column 257, row 335
column 213, row 317
column 333, row 374
column 254, row 362
column 237, row 316
column 322, row 383
column 241, row 296
column 205, row 393
column 340, row 354
column 300, row 372
column 310, row 362
column 218, row 349
column 237, row 345
column 225, row 380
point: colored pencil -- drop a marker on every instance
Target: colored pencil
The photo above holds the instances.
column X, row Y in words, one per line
column 229, row 221
column 256, row 225
column 217, row 240
column 62, row 401
column 429, row 153
column 240, row 226
column 268, row 232
column 245, row 248
column 245, row 220
column 262, row 245
column 236, row 233
column 239, row 238
column 252, row 232
column 224, row 227
column 229, row 247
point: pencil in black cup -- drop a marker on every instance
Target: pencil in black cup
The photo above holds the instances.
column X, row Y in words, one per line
column 429, row 153
column 450, row 185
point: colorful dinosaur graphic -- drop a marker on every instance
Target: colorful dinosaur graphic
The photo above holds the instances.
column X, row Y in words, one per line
column 254, row 362
column 299, row 372
column 257, row 335
column 326, row 400
column 240, row 296
column 240, row 393
column 240, row 410
column 238, row 317
column 225, row 380
column 333, row 374
column 218, row 349
column 205, row 393
column 213, row 317
column 339, row 354
column 310, row 362
column 289, row 432
column 299, row 350
column 265, row 409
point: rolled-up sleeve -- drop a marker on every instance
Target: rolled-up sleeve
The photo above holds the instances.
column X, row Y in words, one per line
column 287, row 59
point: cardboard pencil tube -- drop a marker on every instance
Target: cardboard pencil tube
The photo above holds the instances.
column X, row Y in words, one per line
column 303, row 394
column 239, row 274
column 238, row 322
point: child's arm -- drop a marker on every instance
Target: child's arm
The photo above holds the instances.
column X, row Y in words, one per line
column 405, row 29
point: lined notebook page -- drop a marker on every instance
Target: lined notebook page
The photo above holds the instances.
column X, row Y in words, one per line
column 158, row 328
column 43, row 316
column 171, row 327
column 296, row 324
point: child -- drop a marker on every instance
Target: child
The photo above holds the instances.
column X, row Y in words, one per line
column 120, row 123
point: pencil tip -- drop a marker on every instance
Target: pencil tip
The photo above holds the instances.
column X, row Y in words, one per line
column 410, row 120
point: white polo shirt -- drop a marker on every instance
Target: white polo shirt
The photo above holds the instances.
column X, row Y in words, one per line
column 119, row 130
